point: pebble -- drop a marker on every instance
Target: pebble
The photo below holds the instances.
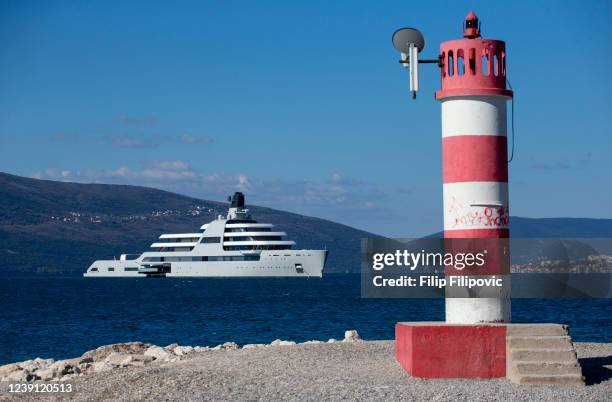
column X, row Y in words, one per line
column 351, row 336
column 226, row 346
column 158, row 353
column 182, row 350
column 279, row 342
column 254, row 345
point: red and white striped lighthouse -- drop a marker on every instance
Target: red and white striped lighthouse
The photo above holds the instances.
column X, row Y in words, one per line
column 475, row 158
column 477, row 339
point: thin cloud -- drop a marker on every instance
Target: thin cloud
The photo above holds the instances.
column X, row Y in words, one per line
column 153, row 141
column 337, row 178
column 343, row 195
column 53, row 174
column 559, row 165
column 194, row 139
column 136, row 121
column 64, row 137
column 128, row 141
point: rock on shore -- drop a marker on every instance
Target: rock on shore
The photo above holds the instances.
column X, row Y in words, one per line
column 119, row 355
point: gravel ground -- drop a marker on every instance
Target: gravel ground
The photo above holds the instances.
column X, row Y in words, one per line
column 338, row 371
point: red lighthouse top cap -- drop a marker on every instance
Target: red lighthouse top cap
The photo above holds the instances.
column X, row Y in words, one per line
column 473, row 65
column 472, row 30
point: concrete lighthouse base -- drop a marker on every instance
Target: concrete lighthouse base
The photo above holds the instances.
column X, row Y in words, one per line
column 440, row 350
column 524, row 353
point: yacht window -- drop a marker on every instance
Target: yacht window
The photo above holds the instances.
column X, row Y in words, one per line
column 131, row 269
column 251, row 238
column 231, row 258
column 210, row 240
column 187, row 239
column 248, row 229
column 111, row 269
column 94, row 269
column 170, row 249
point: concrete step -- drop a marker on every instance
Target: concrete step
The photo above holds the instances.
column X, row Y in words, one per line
column 547, row 368
column 568, row 379
column 536, row 330
column 539, row 342
column 543, row 355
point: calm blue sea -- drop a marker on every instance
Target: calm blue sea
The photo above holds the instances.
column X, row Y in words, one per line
column 62, row 317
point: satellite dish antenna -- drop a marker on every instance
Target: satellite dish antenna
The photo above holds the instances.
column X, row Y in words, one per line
column 410, row 42
column 404, row 37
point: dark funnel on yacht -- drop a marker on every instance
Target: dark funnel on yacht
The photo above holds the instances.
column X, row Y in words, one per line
column 237, row 200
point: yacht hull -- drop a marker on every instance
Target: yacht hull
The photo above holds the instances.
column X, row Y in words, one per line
column 281, row 263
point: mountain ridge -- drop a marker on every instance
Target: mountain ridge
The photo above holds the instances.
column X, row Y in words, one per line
column 50, row 226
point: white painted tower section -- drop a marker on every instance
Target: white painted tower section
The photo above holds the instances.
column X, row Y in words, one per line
column 474, row 115
column 475, row 205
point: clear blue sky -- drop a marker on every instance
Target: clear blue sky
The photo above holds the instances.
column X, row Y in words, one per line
column 302, row 106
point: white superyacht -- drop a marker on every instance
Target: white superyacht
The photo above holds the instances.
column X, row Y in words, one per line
column 235, row 245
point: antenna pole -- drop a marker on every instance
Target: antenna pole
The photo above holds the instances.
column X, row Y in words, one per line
column 413, row 60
